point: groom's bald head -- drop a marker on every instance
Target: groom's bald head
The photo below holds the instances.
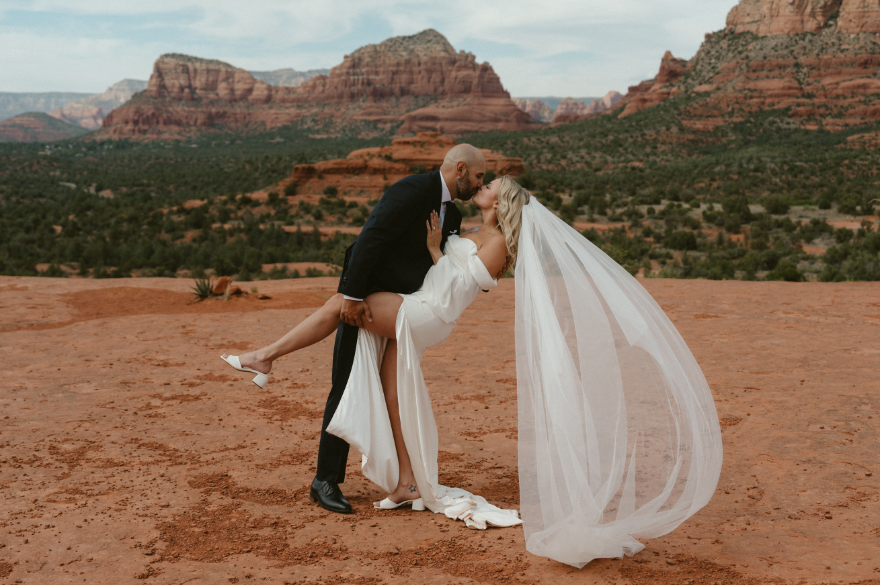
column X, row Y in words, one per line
column 465, row 153
column 463, row 169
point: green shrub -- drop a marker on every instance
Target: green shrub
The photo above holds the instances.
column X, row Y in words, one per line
column 331, row 191
column 776, row 205
column 733, row 223
column 290, row 189
column 681, row 240
column 739, row 205
column 786, row 270
column 842, row 235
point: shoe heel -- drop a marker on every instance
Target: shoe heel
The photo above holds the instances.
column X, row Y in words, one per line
column 418, row 505
column 261, row 380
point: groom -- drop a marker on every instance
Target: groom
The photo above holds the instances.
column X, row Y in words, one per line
column 389, row 255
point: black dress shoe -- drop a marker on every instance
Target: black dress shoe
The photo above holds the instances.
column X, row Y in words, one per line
column 329, row 496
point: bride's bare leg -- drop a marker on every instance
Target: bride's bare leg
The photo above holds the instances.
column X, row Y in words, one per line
column 316, row 327
column 406, row 483
column 383, row 306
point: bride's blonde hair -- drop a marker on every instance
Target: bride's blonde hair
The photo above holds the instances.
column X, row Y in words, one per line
column 511, row 198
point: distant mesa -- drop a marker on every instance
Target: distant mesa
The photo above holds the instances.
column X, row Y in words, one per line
column 536, row 109
column 815, row 60
column 288, row 77
column 37, row 127
column 15, row 103
column 566, row 110
column 571, row 110
column 89, row 112
column 369, row 171
column 417, row 83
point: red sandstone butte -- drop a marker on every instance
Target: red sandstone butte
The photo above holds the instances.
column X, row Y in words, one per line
column 368, row 171
column 419, row 81
column 815, row 59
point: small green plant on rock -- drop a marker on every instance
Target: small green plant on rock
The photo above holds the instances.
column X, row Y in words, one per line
column 203, row 289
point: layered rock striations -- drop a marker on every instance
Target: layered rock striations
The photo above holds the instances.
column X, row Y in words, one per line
column 816, row 60
column 536, row 109
column 418, row 81
column 37, row 127
column 368, row 172
column 785, row 17
column 89, row 112
column 573, row 110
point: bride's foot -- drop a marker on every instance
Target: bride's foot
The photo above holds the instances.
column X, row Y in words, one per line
column 405, row 492
column 252, row 360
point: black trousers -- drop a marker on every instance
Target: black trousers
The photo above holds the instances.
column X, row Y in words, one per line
column 333, row 451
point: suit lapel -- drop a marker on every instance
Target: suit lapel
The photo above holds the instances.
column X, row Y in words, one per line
column 437, row 193
column 452, row 221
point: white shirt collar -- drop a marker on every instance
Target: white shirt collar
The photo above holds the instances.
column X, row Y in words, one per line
column 446, row 195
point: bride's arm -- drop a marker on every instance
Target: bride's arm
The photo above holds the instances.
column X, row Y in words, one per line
column 435, row 236
column 493, row 255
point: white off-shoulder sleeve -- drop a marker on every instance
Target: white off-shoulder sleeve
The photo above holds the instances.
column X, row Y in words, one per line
column 453, row 288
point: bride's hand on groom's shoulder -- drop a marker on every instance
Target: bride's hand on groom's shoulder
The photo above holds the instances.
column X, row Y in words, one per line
column 435, row 236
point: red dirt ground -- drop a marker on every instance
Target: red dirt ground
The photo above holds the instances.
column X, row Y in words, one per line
column 129, row 453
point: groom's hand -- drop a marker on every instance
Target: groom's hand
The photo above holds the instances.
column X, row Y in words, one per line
column 355, row 313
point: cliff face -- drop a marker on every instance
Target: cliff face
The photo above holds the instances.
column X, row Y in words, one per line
column 815, row 59
column 368, row 172
column 572, row 110
column 775, row 17
column 536, row 109
column 419, row 81
column 90, row 111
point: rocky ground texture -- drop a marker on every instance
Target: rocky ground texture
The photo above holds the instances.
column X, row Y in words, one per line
column 129, row 453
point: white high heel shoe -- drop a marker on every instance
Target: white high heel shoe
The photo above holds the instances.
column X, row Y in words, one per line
column 417, row 505
column 260, row 379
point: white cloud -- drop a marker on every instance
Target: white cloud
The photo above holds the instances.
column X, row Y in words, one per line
column 567, row 47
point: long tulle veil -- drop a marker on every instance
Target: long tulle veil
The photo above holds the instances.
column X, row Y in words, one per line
column 618, row 434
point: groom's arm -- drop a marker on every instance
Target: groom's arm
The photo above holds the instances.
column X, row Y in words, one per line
column 398, row 209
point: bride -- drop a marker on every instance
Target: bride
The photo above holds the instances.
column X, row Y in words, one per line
column 618, row 434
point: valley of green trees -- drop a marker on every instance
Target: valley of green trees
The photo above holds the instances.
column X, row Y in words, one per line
column 752, row 200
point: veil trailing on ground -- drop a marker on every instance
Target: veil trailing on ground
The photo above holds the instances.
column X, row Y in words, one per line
column 618, row 434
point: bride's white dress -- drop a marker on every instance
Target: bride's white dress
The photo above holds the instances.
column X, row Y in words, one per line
column 618, row 434
column 426, row 318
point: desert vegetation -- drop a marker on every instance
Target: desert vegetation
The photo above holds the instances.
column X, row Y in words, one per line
column 758, row 199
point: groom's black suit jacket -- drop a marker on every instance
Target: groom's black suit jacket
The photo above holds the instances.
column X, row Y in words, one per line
column 390, row 255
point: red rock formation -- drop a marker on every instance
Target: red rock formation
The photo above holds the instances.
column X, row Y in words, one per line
column 37, row 127
column 386, row 83
column 859, row 16
column 367, row 172
column 88, row 117
column 572, row 110
column 819, row 75
column 774, row 17
column 536, row 109
column 651, row 93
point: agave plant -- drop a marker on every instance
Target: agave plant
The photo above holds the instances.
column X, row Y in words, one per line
column 203, row 289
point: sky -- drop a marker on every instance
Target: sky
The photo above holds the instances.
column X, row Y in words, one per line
column 576, row 48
